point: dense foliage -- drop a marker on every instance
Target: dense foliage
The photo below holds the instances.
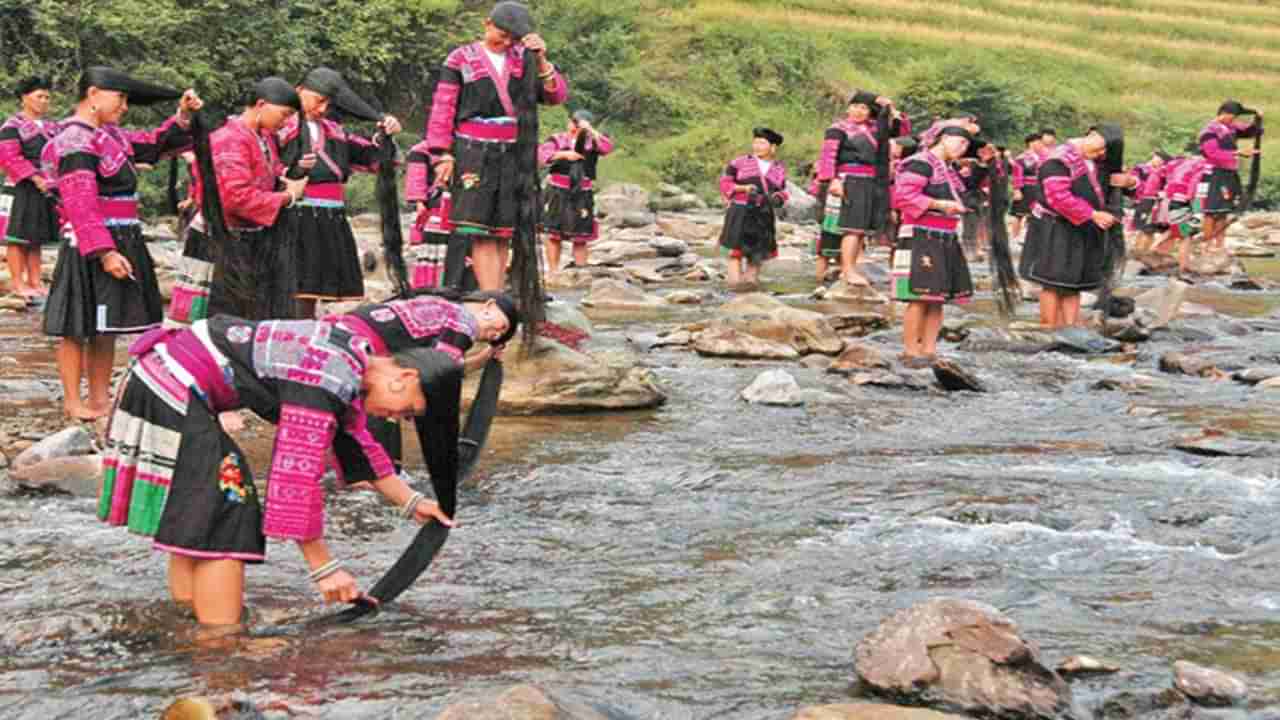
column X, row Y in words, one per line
column 680, row 83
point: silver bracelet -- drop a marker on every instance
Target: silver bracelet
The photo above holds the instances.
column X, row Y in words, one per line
column 411, row 505
column 325, row 570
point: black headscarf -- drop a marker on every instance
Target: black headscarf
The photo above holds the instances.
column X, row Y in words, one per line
column 139, row 92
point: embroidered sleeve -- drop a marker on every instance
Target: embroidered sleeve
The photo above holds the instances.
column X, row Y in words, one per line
column 1245, row 129
column 241, row 196
column 1018, row 175
column 289, row 140
column 547, row 149
column 830, row 149
column 417, row 181
column 1055, row 180
column 78, row 190
column 295, row 494
column 728, row 179
column 444, row 104
column 604, row 144
column 558, row 94
column 908, row 190
column 15, row 167
column 152, row 146
column 781, row 183
column 355, row 423
column 1212, row 147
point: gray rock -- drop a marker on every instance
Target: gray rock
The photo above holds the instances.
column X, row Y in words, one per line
column 843, row 292
column 1253, row 376
column 815, row 362
column 684, row 297
column 1216, row 444
column 607, row 294
column 75, row 440
column 720, row 341
column 20, row 390
column 1164, row 302
column 962, row 655
column 619, row 251
column 669, row 246
column 687, row 230
column 674, row 338
column 1176, row 362
column 870, row 711
column 522, row 702
column 615, row 201
column 770, row 319
column 1272, row 384
column 801, row 206
column 1127, row 330
column 773, row 387
column 1083, row 340
column 1207, row 686
column 636, row 219
column 886, row 379
column 1079, row 665
column 857, row 324
column 859, row 357
column 557, row 379
column 676, row 203
column 1165, row 705
column 77, row 475
column 669, row 190
column 952, row 377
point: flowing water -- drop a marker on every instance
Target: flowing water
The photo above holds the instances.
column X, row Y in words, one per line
column 711, row 559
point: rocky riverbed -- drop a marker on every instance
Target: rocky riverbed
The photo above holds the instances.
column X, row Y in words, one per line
column 704, row 504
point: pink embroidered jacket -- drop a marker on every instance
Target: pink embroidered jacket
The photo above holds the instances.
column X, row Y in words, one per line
column 247, row 165
column 21, row 140
column 559, row 174
column 745, row 170
column 1070, row 185
column 1218, row 142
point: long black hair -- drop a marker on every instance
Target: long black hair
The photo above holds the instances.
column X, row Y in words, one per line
column 526, row 271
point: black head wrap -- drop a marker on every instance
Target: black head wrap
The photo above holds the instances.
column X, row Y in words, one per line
column 139, row 92
column 1031, row 137
column 32, row 84
column 862, row 97
column 512, row 17
column 1048, row 131
column 1163, row 155
column 956, row 131
column 277, row 91
column 330, row 83
column 774, row 137
column 908, row 144
column 1233, row 107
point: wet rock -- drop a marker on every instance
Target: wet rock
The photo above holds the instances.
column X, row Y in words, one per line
column 1261, row 220
column 557, row 379
column 13, row 303
column 1156, row 263
column 773, row 387
column 1078, row 665
column 1252, row 251
column 769, row 319
column 857, row 324
column 636, row 219
column 1083, row 340
column 17, row 390
column 77, row 475
column 1135, row 383
column 720, row 341
column 684, row 297
column 669, row 246
column 522, row 702
column 608, row 294
column 1128, row 330
column 190, row 708
column 801, row 205
column 870, row 711
column 963, row 655
column 1272, row 384
column 1253, row 376
column 1022, row 342
column 75, row 440
column 1218, row 263
column 1176, row 362
column 677, row 203
column 674, row 338
column 952, row 377
column 1164, row 303
column 1207, row 686
column 843, row 292
column 1165, row 705
column 569, row 279
column 702, row 273
column 813, row 362
column 859, row 357
column 687, row 230
column 888, row 379
column 1217, row 444
column 618, row 252
column 615, row 200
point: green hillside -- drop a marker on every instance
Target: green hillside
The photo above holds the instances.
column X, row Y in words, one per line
column 680, row 83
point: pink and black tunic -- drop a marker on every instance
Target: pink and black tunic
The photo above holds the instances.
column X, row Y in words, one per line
column 422, row 321
column 750, row 223
column 928, row 263
column 95, row 178
column 323, row 246
column 429, row 236
column 1071, row 253
column 1023, row 178
column 1218, row 146
column 849, row 155
column 173, row 473
column 1146, row 197
column 474, row 118
column 27, row 215
column 243, row 278
column 571, row 208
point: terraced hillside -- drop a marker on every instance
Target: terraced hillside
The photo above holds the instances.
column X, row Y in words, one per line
column 703, row 73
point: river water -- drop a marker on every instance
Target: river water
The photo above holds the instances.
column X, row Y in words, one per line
column 711, row 559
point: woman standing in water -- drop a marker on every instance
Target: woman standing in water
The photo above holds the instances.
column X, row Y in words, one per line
column 105, row 283
column 752, row 186
column 27, row 216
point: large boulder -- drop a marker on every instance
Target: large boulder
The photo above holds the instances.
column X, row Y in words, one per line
column 77, row 475
column 720, row 341
column 608, row 294
column 557, row 379
column 859, row 357
column 687, row 230
column 75, row 440
column 961, row 655
column 801, row 206
column 616, row 200
column 773, row 387
column 619, row 251
column 522, row 702
column 870, row 711
column 1207, row 686
column 770, row 319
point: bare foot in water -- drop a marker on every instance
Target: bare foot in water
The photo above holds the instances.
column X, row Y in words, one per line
column 231, row 421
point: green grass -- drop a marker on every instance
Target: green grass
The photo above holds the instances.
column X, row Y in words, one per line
column 702, row 73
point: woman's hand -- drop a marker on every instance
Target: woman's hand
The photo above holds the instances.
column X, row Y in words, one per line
column 426, row 510
column 117, row 265
column 41, row 184
column 951, row 207
column 533, row 42
column 389, row 125
column 1102, row 219
column 339, row 587
column 570, row 155
column 444, row 170
column 835, row 188
column 189, row 103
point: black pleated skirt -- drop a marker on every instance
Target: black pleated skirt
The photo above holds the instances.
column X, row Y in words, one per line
column 85, row 301
column 325, row 253
column 1069, row 257
column 749, row 232
column 864, row 205
column 32, row 217
column 929, row 266
column 570, row 214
